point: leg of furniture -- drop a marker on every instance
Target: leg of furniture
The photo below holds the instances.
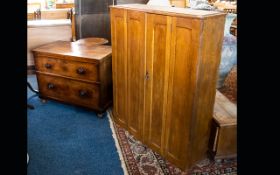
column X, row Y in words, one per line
column 100, row 114
column 30, row 106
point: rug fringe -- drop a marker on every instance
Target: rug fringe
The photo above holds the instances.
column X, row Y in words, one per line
column 117, row 142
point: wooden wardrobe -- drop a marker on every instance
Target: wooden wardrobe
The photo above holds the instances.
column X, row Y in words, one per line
column 165, row 64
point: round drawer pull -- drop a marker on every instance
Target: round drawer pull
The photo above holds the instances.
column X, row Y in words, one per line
column 48, row 66
column 83, row 93
column 50, row 86
column 81, row 70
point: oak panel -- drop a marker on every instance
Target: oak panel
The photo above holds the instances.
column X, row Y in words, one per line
column 181, row 89
column 119, row 61
column 157, row 60
column 135, row 71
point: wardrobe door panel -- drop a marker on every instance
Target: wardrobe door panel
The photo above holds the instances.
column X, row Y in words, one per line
column 157, row 70
column 135, row 71
column 119, row 65
column 181, row 89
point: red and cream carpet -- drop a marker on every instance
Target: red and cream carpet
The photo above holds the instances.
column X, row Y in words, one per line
column 137, row 159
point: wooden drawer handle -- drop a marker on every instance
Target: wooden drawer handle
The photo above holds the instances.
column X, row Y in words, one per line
column 50, row 85
column 48, row 66
column 83, row 93
column 81, row 70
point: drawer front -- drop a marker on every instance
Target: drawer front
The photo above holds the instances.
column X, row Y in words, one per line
column 75, row 69
column 70, row 91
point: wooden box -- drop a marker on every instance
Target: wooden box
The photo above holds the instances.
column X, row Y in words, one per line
column 223, row 139
column 75, row 73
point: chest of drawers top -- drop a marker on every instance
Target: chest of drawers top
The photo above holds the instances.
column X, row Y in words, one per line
column 75, row 51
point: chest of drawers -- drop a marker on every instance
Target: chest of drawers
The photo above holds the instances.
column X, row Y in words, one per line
column 75, row 73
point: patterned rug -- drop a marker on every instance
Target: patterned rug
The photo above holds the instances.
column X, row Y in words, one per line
column 140, row 160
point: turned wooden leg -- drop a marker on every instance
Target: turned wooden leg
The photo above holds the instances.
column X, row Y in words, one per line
column 100, row 114
column 30, row 106
column 43, row 100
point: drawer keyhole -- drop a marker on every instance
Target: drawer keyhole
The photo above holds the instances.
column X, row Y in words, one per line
column 50, row 85
column 81, row 70
column 83, row 93
column 48, row 66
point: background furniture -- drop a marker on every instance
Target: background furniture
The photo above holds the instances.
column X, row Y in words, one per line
column 75, row 73
column 92, row 17
column 179, row 3
column 223, row 139
column 41, row 32
column 233, row 30
column 229, row 87
column 119, row 2
column 54, row 13
column 31, row 10
column 92, row 41
column 64, row 5
column 73, row 24
column 165, row 63
column 228, row 7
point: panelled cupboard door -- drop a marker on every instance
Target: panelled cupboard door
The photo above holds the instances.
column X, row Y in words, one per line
column 119, row 65
column 157, row 71
column 181, row 90
column 135, row 71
